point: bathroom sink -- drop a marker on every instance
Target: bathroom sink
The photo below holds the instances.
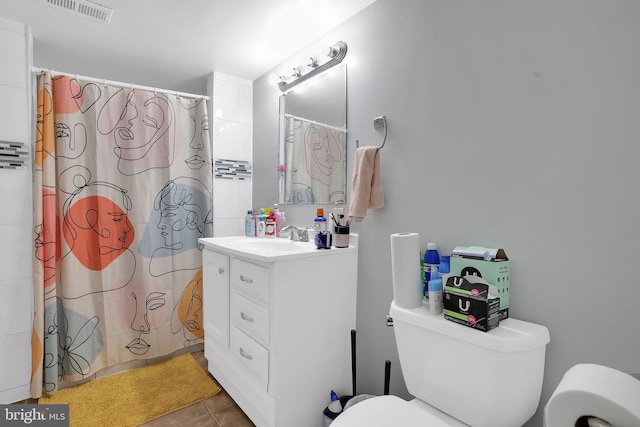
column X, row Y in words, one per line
column 274, row 245
column 271, row 249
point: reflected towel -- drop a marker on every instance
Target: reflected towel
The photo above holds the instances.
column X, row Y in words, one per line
column 366, row 189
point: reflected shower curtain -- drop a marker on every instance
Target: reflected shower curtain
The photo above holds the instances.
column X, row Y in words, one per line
column 122, row 192
column 316, row 162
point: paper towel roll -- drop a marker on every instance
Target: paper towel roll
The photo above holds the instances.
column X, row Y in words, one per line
column 597, row 391
column 405, row 270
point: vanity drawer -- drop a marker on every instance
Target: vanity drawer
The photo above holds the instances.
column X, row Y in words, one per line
column 251, row 318
column 251, row 355
column 250, row 280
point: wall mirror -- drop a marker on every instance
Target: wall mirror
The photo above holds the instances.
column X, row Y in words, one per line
column 313, row 140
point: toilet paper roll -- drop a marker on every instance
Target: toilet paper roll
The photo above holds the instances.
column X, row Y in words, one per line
column 597, row 391
column 405, row 270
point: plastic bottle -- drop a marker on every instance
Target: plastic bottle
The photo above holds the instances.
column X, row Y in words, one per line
column 320, row 230
column 255, row 223
column 320, row 222
column 249, row 224
column 435, row 292
column 431, row 259
column 335, row 405
column 332, row 411
column 270, row 230
column 445, row 265
column 261, row 224
column 445, row 269
column 283, row 224
column 278, row 215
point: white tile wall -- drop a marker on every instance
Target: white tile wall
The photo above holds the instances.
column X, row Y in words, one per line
column 15, row 187
column 13, row 80
column 232, row 113
column 13, row 109
column 226, row 137
column 16, row 245
column 13, row 49
column 15, row 251
column 15, row 363
column 15, row 293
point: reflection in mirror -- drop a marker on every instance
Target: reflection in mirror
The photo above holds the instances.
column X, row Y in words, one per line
column 313, row 140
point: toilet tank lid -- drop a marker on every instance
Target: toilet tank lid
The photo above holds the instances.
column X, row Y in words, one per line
column 511, row 335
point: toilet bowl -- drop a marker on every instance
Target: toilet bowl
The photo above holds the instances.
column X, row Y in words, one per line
column 459, row 376
column 392, row 411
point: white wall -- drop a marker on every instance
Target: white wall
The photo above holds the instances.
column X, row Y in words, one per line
column 512, row 124
column 16, row 244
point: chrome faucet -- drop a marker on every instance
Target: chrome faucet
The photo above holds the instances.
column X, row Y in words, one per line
column 299, row 234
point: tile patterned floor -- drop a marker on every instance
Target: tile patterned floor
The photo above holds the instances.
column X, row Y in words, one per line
column 217, row 411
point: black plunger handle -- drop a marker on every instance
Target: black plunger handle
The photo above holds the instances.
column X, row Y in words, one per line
column 353, row 360
column 387, row 376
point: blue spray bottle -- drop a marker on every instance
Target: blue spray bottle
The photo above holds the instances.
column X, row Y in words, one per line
column 431, row 259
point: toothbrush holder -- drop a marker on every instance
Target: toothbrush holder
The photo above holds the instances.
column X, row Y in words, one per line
column 341, row 236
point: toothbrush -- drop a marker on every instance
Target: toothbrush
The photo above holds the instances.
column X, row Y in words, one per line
column 333, row 218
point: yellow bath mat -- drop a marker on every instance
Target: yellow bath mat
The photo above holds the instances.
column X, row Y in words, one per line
column 137, row 396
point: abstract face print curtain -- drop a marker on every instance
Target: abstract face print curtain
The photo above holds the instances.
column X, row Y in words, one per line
column 316, row 162
column 122, row 192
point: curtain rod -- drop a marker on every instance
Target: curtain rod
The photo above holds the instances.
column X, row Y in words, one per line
column 121, row 84
column 313, row 122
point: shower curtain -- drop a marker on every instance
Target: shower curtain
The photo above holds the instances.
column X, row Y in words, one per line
column 122, row 192
column 316, row 162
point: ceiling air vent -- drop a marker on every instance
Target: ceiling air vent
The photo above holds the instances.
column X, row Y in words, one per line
column 86, row 8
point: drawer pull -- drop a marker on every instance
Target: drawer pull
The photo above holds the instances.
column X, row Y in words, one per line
column 246, row 279
column 221, row 270
column 245, row 355
column 246, row 318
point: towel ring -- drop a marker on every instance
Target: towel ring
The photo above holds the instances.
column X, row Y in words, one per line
column 378, row 122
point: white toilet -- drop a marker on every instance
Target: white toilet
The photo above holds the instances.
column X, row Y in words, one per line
column 459, row 376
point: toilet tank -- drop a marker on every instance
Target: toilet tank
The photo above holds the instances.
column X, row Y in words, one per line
column 484, row 379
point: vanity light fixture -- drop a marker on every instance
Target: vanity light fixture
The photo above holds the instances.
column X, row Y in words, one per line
column 336, row 54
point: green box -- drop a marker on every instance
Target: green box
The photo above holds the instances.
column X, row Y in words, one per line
column 492, row 265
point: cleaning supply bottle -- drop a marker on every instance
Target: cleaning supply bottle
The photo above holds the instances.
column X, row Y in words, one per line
column 332, row 411
column 335, row 405
column 270, row 230
column 249, row 224
column 320, row 229
column 431, row 259
column 435, row 292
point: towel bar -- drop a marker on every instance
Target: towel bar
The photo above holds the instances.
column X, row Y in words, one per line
column 378, row 122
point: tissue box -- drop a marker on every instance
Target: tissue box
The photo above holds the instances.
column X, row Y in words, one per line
column 492, row 265
column 471, row 304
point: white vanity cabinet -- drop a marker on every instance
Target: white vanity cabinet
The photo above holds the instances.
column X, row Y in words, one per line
column 277, row 327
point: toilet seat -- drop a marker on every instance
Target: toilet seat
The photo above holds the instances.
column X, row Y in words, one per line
column 385, row 411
